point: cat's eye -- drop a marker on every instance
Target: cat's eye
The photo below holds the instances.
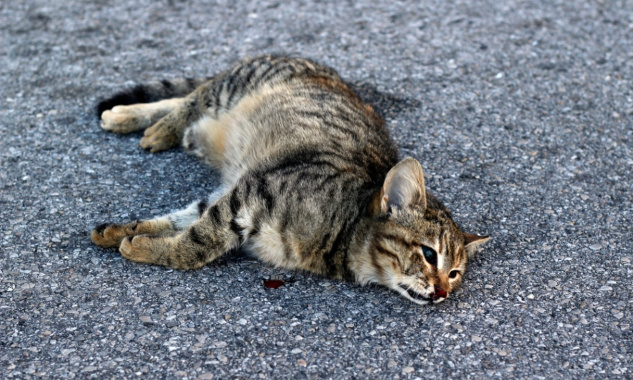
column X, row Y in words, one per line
column 429, row 255
column 453, row 274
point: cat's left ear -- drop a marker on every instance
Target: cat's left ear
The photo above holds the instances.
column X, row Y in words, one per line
column 473, row 242
column 404, row 186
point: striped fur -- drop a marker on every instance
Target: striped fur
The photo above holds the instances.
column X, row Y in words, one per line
column 310, row 178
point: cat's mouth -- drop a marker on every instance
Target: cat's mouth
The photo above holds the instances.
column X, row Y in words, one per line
column 437, row 296
column 414, row 295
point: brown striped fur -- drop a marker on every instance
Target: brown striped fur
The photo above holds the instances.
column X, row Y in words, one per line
column 310, row 178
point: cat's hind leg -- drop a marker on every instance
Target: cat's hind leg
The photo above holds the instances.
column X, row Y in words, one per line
column 168, row 131
column 137, row 117
column 219, row 95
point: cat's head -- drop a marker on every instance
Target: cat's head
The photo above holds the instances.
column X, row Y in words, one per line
column 417, row 249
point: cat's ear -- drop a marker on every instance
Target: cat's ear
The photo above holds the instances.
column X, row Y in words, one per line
column 473, row 242
column 404, row 186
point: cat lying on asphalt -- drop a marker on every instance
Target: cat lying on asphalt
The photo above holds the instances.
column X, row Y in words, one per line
column 310, row 180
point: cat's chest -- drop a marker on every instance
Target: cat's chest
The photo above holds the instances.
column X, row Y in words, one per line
column 276, row 247
column 296, row 245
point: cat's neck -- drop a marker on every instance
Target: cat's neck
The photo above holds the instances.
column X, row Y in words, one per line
column 359, row 256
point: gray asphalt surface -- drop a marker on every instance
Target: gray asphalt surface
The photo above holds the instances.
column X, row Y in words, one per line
column 520, row 112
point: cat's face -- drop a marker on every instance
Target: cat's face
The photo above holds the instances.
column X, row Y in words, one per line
column 422, row 254
column 417, row 249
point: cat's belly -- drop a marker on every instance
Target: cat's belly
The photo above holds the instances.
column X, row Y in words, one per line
column 237, row 140
column 269, row 246
column 282, row 248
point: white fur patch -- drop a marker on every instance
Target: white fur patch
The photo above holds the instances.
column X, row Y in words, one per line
column 245, row 220
column 216, row 194
column 182, row 219
column 269, row 247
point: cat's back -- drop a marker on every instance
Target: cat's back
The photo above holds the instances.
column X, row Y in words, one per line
column 312, row 155
column 308, row 119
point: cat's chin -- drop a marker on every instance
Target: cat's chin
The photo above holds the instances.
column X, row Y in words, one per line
column 414, row 296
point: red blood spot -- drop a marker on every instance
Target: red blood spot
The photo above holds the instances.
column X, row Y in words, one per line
column 273, row 284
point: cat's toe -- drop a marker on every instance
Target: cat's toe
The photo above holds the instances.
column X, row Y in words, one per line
column 119, row 122
column 138, row 248
column 158, row 139
column 107, row 235
column 123, row 119
column 120, row 109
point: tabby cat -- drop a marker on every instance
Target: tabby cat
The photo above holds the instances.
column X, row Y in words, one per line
column 310, row 180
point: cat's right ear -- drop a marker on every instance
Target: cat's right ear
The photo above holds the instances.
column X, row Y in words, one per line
column 404, row 186
column 473, row 242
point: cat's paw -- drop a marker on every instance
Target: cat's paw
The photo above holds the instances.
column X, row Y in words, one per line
column 134, row 249
column 108, row 235
column 159, row 137
column 141, row 248
column 123, row 119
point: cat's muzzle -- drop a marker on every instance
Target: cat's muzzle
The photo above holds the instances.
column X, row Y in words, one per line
column 438, row 295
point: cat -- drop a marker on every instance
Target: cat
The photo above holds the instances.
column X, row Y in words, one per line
column 310, row 180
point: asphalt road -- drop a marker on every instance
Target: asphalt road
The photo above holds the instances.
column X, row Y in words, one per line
column 520, row 112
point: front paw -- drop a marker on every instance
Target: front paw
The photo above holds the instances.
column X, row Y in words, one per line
column 142, row 249
column 158, row 138
column 108, row 235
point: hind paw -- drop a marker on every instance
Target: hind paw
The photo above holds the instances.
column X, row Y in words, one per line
column 159, row 137
column 124, row 119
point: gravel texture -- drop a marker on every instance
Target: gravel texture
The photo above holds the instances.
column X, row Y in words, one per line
column 520, row 112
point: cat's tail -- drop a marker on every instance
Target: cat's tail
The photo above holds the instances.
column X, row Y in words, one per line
column 151, row 92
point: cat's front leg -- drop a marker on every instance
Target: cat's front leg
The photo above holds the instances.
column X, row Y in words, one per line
column 201, row 243
column 185, row 239
column 155, row 250
column 170, row 252
column 111, row 235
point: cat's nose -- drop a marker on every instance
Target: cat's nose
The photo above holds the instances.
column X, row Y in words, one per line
column 438, row 293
